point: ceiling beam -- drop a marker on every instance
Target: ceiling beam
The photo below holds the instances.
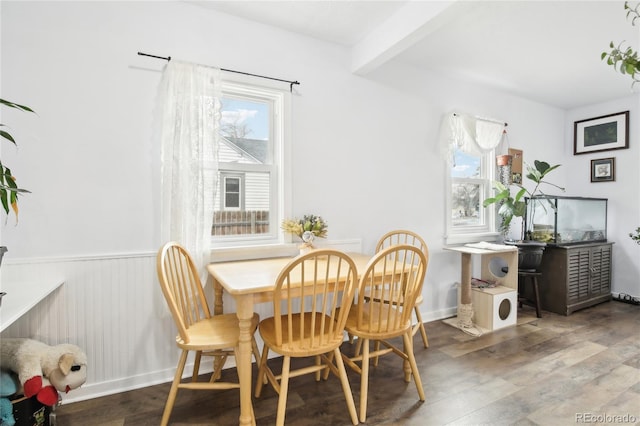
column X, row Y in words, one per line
column 410, row 24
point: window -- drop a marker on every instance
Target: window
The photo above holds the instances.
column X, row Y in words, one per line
column 232, row 192
column 469, row 183
column 250, row 197
column 470, row 143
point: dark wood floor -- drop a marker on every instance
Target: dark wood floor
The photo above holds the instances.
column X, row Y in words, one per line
column 551, row 371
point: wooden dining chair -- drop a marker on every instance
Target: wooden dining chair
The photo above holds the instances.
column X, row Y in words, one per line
column 394, row 275
column 198, row 330
column 408, row 237
column 308, row 322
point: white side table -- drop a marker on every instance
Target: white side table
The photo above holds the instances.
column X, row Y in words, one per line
column 507, row 255
column 21, row 297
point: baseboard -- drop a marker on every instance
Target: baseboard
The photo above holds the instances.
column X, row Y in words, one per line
column 625, row 298
column 96, row 390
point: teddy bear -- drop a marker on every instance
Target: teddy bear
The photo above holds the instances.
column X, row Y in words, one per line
column 44, row 370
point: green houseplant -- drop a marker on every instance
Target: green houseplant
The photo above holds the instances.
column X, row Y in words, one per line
column 8, row 188
column 625, row 59
column 511, row 206
column 529, row 251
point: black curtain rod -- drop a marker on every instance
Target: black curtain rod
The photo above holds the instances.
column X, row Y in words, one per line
column 291, row 83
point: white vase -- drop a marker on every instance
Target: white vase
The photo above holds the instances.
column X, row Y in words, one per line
column 305, row 248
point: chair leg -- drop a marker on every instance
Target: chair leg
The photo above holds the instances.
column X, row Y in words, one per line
column 218, row 364
column 344, row 380
column 256, row 351
column 364, row 380
column 326, row 371
column 262, row 373
column 358, row 347
column 196, row 366
column 536, row 295
column 318, row 374
column 420, row 326
column 376, row 348
column 284, row 389
column 406, row 365
column 408, row 344
column 171, row 399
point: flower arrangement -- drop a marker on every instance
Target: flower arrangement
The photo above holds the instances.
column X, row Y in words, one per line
column 307, row 228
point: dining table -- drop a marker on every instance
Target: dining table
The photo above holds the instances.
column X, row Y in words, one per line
column 250, row 282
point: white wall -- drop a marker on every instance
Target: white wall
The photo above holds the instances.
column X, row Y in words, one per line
column 622, row 194
column 365, row 154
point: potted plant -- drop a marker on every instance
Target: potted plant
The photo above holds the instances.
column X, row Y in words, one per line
column 307, row 229
column 510, row 206
column 8, row 188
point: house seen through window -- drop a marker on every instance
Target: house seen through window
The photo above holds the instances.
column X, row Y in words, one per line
column 247, row 205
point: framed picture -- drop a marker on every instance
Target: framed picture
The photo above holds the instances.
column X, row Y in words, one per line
column 603, row 170
column 516, row 165
column 601, row 133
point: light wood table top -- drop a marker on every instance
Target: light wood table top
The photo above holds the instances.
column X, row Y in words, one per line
column 258, row 277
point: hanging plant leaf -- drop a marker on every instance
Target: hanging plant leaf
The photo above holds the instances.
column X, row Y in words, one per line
column 623, row 60
column 8, row 188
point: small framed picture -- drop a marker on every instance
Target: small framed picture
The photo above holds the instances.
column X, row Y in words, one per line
column 601, row 133
column 516, row 165
column 603, row 170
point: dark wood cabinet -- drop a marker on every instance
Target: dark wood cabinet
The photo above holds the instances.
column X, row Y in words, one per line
column 575, row 277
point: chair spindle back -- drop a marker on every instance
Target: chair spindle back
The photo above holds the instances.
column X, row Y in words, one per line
column 395, row 274
column 181, row 287
column 312, row 316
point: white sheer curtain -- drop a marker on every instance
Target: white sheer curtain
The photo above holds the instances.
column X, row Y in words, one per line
column 188, row 112
column 469, row 134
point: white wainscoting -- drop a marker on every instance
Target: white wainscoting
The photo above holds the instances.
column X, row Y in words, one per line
column 112, row 307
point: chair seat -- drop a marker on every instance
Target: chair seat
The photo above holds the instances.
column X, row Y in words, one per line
column 377, row 313
column 300, row 347
column 217, row 332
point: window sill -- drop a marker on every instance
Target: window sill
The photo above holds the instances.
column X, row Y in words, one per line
column 266, row 251
column 471, row 238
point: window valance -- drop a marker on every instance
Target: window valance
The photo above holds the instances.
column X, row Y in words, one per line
column 470, row 134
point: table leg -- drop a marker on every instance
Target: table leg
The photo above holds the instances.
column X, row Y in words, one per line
column 243, row 358
column 218, row 307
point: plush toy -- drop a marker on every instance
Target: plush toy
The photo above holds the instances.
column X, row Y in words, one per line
column 8, row 387
column 44, row 370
